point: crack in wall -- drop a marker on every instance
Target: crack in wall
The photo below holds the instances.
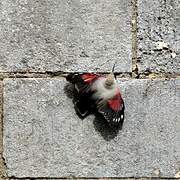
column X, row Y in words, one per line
column 98, row 178
column 2, row 160
column 134, row 40
column 58, row 74
column 51, row 75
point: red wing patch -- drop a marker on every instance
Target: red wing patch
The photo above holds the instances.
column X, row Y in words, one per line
column 113, row 110
column 82, row 82
column 89, row 77
column 116, row 102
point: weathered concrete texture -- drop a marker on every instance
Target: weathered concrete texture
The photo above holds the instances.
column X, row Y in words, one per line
column 1, row 133
column 159, row 36
column 45, row 35
column 43, row 136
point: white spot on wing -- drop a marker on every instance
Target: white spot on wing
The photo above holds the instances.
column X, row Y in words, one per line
column 122, row 116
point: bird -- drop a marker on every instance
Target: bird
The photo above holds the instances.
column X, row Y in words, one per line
column 100, row 93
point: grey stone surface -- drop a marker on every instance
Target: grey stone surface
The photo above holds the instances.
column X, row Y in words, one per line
column 63, row 35
column 43, row 136
column 159, row 22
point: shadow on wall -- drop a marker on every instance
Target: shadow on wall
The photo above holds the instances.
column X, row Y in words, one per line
column 100, row 124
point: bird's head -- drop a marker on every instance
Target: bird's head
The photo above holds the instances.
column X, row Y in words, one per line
column 110, row 79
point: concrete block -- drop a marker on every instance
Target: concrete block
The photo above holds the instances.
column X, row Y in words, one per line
column 43, row 136
column 39, row 36
column 159, row 36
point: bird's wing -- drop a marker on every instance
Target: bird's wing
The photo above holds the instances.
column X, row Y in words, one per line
column 112, row 110
column 83, row 81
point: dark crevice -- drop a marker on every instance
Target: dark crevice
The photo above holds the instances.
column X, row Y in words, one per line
column 1, row 129
column 135, row 74
column 50, row 74
column 134, row 39
column 105, row 178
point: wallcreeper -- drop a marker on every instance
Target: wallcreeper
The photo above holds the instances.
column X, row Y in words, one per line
column 98, row 92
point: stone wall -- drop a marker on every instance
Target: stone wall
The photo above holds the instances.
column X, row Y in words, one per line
column 41, row 136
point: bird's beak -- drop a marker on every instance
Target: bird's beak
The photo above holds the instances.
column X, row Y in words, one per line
column 113, row 67
column 113, row 70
